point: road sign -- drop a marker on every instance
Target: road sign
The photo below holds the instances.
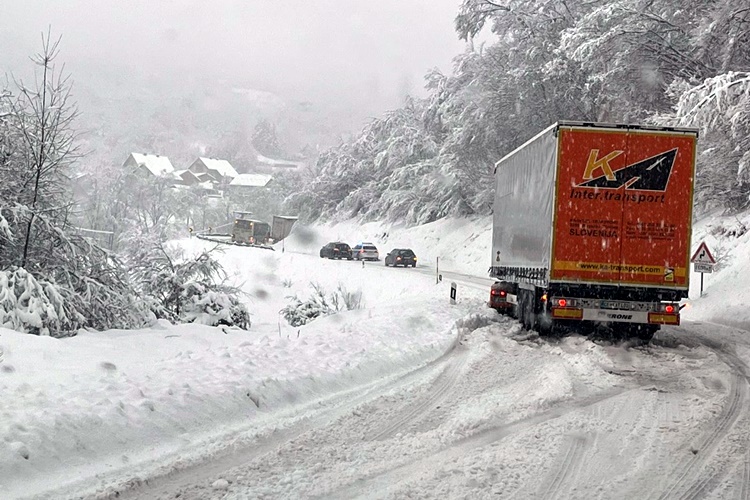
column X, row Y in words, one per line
column 702, row 255
column 699, row 267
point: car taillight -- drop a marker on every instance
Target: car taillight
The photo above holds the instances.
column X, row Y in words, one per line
column 669, row 309
column 562, row 302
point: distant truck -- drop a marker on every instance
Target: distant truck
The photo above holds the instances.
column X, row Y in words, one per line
column 281, row 226
column 591, row 227
column 250, row 232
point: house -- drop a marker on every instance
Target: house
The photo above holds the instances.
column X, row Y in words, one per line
column 150, row 165
column 220, row 171
column 267, row 164
column 186, row 178
column 250, row 181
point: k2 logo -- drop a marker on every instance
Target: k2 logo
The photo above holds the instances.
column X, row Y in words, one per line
column 651, row 174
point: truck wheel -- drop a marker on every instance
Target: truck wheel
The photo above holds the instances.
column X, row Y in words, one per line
column 530, row 311
column 547, row 328
column 646, row 332
column 526, row 309
column 521, row 308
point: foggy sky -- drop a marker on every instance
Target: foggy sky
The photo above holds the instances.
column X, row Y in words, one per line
column 332, row 50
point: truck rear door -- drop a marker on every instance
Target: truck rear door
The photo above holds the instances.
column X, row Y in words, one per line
column 623, row 206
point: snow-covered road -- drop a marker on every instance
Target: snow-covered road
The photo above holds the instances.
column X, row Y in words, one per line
column 504, row 414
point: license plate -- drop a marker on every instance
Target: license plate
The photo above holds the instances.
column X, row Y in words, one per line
column 608, row 304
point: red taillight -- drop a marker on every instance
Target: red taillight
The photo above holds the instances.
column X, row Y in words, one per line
column 502, row 293
column 562, row 302
column 669, row 309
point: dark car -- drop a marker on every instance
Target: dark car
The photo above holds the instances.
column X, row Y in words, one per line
column 401, row 257
column 336, row 250
column 503, row 297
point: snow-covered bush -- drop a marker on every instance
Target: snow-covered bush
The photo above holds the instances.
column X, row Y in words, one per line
column 31, row 306
column 204, row 305
column 300, row 312
column 185, row 289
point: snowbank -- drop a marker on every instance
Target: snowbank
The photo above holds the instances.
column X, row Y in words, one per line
column 725, row 291
column 103, row 402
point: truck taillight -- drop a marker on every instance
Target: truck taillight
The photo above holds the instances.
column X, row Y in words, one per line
column 563, row 302
column 669, row 309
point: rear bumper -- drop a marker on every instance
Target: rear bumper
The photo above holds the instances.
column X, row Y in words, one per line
column 615, row 316
column 500, row 304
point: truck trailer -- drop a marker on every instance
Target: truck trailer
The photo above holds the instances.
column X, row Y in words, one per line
column 591, row 227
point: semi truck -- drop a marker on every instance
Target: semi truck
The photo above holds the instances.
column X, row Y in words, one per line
column 591, row 228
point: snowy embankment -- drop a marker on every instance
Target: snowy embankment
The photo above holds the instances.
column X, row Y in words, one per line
column 725, row 291
column 89, row 408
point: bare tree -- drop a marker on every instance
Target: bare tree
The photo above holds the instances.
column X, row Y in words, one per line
column 41, row 116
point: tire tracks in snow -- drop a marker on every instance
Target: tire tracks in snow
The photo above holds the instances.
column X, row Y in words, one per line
column 441, row 388
column 567, row 470
column 695, row 477
column 383, row 482
column 744, row 489
column 165, row 481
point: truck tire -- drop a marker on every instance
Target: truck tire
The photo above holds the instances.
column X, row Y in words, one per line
column 548, row 328
column 526, row 309
column 530, row 311
column 522, row 316
column 646, row 332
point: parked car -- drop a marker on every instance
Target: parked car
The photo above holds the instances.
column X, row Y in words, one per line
column 336, row 250
column 365, row 251
column 502, row 296
column 401, row 257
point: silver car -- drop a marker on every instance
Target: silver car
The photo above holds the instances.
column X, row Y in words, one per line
column 365, row 251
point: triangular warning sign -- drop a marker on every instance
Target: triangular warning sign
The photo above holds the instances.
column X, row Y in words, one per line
column 703, row 255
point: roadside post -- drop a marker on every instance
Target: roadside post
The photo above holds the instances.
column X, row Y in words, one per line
column 453, row 293
column 703, row 261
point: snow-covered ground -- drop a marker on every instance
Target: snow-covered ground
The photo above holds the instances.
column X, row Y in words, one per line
column 408, row 375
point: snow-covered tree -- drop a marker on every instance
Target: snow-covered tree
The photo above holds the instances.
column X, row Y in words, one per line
column 720, row 108
column 53, row 281
column 185, row 289
column 266, row 140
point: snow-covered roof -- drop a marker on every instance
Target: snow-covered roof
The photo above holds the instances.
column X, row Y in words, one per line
column 251, row 180
column 222, row 166
column 157, row 165
column 279, row 163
